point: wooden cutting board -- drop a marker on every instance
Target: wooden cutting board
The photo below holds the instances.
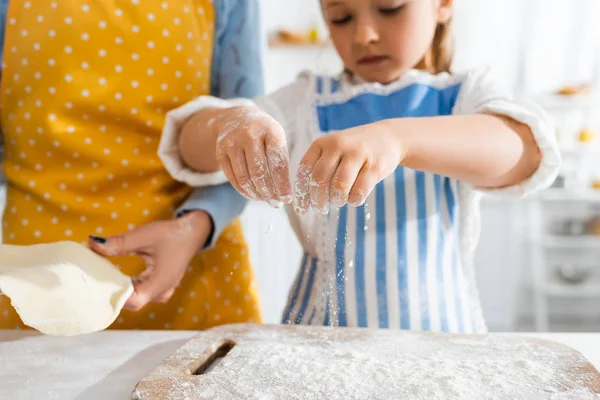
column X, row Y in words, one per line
column 299, row 362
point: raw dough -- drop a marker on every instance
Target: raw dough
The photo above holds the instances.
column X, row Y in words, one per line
column 63, row 288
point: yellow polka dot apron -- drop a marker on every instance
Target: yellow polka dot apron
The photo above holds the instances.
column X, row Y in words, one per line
column 85, row 89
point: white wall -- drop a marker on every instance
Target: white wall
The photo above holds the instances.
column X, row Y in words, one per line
column 556, row 39
column 275, row 254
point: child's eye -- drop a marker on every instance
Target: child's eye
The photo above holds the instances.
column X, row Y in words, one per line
column 391, row 11
column 341, row 21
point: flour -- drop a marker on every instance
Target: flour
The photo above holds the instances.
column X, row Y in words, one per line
column 317, row 363
column 303, row 186
column 240, row 121
column 338, row 197
column 275, row 203
column 278, row 160
column 259, row 145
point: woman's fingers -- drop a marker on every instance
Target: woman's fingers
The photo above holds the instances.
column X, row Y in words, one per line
column 159, row 281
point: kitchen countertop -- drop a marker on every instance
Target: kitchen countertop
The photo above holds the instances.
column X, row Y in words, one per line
column 107, row 365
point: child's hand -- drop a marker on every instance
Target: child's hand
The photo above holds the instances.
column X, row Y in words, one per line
column 165, row 246
column 252, row 152
column 345, row 166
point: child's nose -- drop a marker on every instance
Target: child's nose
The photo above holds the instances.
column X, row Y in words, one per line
column 366, row 33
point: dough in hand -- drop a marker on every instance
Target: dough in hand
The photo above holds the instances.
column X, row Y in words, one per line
column 63, row 288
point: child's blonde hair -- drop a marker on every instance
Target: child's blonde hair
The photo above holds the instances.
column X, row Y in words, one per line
column 439, row 57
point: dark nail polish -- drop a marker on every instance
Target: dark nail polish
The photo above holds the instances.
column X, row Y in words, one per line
column 98, row 239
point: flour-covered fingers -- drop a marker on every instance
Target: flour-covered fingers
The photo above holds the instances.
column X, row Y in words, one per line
column 279, row 166
column 304, row 182
column 259, row 173
column 322, row 175
column 242, row 175
column 225, row 164
column 343, row 180
column 366, row 180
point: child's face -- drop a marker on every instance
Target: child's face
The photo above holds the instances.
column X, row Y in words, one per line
column 380, row 39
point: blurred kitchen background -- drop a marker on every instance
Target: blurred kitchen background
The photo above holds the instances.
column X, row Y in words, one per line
column 537, row 263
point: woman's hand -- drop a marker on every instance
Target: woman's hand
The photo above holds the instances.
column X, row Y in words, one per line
column 344, row 167
column 252, row 152
column 165, row 246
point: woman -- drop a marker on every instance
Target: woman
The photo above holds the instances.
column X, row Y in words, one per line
column 85, row 90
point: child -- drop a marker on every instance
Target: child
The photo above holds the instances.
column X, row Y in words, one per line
column 407, row 145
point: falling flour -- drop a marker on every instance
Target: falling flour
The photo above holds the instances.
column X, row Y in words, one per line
column 292, row 362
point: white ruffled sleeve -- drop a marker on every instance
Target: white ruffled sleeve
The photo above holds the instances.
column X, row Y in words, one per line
column 280, row 105
column 480, row 93
column 168, row 148
column 286, row 106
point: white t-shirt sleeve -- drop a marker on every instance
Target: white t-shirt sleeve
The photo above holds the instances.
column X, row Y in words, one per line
column 480, row 93
column 281, row 105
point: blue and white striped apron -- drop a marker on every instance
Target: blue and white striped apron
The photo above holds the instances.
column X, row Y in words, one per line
column 394, row 262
